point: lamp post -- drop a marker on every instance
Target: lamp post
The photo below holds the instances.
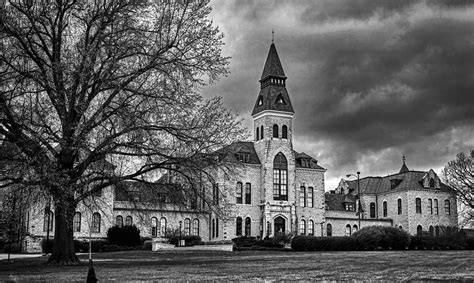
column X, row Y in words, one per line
column 358, row 193
column 180, row 225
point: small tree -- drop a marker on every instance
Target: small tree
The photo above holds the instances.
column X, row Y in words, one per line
column 459, row 175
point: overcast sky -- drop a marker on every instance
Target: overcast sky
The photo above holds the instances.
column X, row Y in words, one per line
column 369, row 80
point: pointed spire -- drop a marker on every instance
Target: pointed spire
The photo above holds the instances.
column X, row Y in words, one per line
column 404, row 166
column 273, row 94
column 273, row 66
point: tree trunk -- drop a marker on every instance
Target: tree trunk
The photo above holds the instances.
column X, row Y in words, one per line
column 63, row 245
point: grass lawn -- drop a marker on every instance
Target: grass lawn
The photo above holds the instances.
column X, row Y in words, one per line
column 253, row 265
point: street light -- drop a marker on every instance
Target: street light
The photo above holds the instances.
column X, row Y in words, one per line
column 358, row 193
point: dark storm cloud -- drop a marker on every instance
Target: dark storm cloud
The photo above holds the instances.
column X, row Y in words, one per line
column 369, row 80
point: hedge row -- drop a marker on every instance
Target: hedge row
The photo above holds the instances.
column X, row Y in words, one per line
column 96, row 245
column 246, row 242
column 311, row 243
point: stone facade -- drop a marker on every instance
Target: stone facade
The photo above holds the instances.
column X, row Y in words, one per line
column 416, row 201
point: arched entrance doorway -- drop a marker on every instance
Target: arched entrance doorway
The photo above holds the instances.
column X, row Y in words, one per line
column 279, row 225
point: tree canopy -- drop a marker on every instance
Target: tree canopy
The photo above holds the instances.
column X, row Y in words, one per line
column 459, row 175
column 93, row 93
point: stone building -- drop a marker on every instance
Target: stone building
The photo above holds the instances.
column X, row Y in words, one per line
column 271, row 189
column 416, row 201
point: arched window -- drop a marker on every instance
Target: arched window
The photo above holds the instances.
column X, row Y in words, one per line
column 431, row 230
column 436, row 230
column 284, row 132
column 248, row 226
column 419, row 230
column 261, row 132
column 432, row 183
column 163, row 227
column 238, row 193
column 187, row 227
column 128, row 221
column 248, row 193
column 399, row 205
column 311, row 228
column 95, row 223
column 275, row 131
column 154, row 227
column 354, row 228
column 196, row 227
column 238, row 226
column 48, row 220
column 436, row 210
column 418, row 205
column 430, row 206
column 447, row 207
column 217, row 227
column 348, row 230
column 384, row 206
column 119, row 221
column 280, row 177
column 302, row 227
column 257, row 134
column 77, row 222
column 372, row 210
column 329, row 230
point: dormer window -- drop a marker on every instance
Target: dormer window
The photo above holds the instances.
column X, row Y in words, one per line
column 432, row 183
column 243, row 157
column 260, row 101
column 305, row 162
column 349, row 207
column 394, row 183
column 279, row 99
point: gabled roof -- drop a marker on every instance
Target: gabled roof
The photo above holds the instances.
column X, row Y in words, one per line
column 272, row 65
column 313, row 162
column 232, row 150
column 336, row 201
column 410, row 180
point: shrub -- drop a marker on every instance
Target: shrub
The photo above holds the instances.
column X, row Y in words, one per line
column 124, row 236
column 13, row 248
column 47, row 246
column 244, row 241
column 270, row 243
column 147, row 245
column 455, row 241
column 381, row 237
column 311, row 243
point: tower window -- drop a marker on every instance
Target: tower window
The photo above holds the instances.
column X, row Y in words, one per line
column 279, row 99
column 261, row 132
column 284, row 132
column 275, row 131
column 257, row 134
column 248, row 193
column 399, row 204
column 260, row 101
column 280, row 177
column 418, row 205
column 385, row 209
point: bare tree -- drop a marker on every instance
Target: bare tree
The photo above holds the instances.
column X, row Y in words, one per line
column 88, row 83
column 459, row 175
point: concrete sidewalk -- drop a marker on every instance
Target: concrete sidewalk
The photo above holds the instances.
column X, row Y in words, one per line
column 4, row 256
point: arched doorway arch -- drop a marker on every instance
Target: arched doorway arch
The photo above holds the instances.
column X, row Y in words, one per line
column 279, row 224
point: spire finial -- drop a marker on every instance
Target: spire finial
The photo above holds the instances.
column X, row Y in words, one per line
column 404, row 159
column 273, row 35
